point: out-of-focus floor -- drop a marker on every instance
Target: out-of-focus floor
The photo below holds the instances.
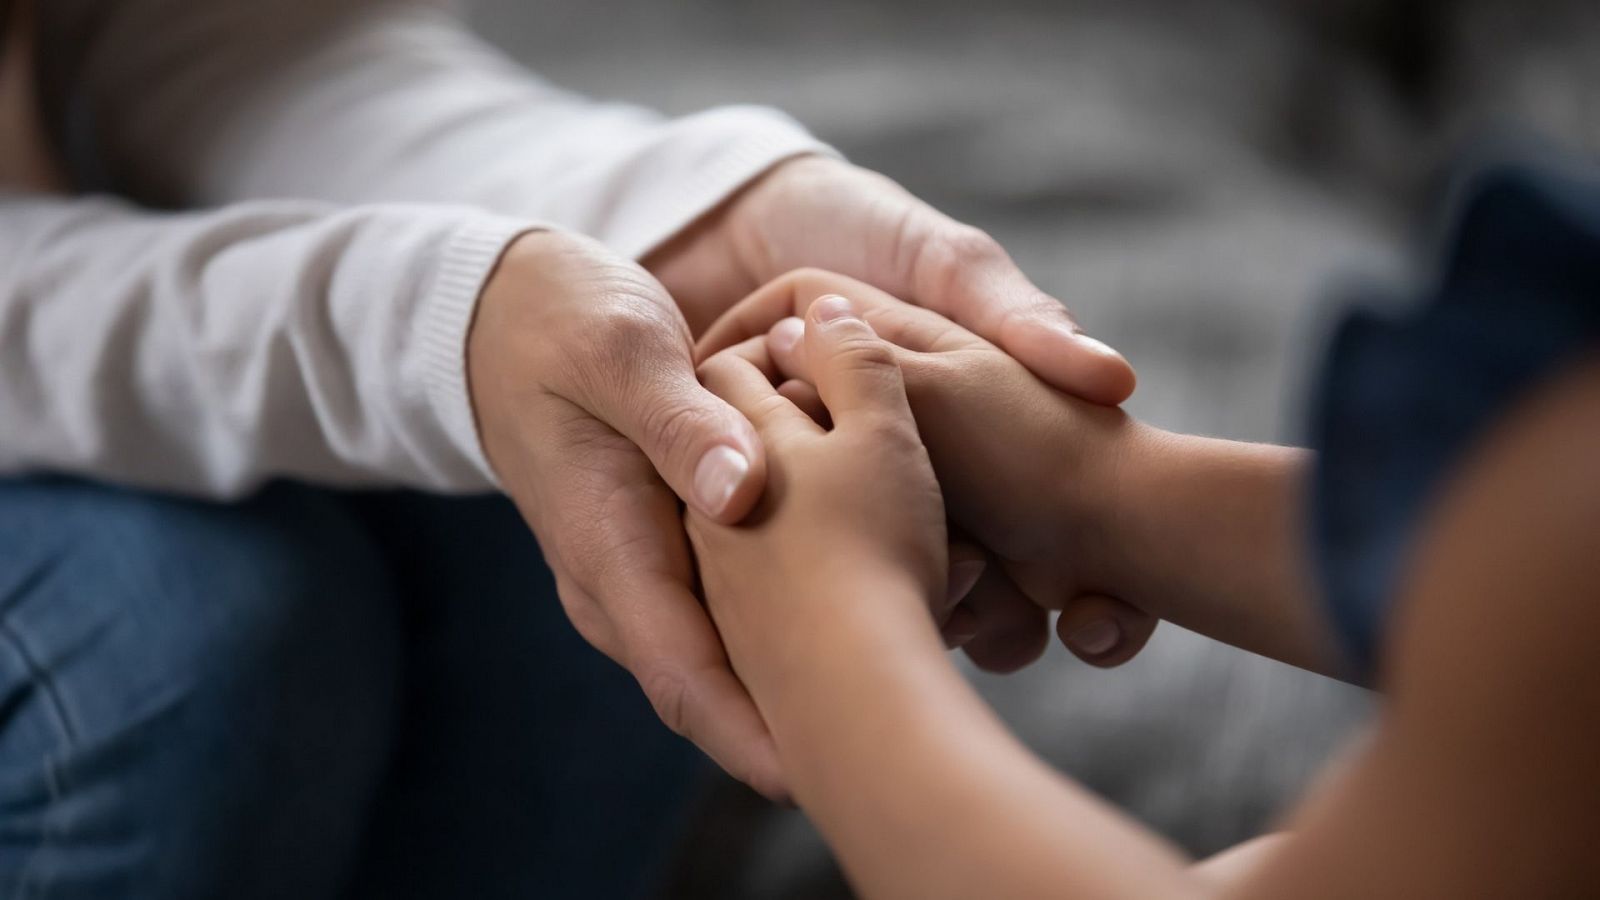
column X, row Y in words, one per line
column 1198, row 182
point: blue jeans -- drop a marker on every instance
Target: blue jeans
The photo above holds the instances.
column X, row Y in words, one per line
column 310, row 695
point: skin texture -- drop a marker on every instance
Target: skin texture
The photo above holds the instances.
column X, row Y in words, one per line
column 883, row 500
column 582, row 373
column 971, row 401
column 576, row 361
column 583, row 383
column 815, row 211
column 1478, row 780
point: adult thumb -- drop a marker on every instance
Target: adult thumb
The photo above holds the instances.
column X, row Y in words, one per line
column 703, row 448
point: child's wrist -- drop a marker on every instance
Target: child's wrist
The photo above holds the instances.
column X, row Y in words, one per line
column 1099, row 501
column 884, row 612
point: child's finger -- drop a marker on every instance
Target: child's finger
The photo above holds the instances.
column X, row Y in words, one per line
column 742, row 375
column 804, row 396
column 855, row 371
column 755, row 314
column 903, row 324
column 786, row 347
column 960, row 628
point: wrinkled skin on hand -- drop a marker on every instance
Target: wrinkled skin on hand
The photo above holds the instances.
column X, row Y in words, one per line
column 582, row 375
column 822, row 213
column 1025, row 468
column 591, row 415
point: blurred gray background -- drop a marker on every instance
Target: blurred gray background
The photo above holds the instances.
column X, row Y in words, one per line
column 1197, row 181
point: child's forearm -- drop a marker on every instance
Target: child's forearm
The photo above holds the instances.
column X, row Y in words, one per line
column 923, row 793
column 1210, row 535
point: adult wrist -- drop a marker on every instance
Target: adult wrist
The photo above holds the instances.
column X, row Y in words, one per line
column 695, row 164
column 465, row 270
column 725, row 246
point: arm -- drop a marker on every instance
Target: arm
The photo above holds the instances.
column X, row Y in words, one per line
column 1207, row 534
column 360, row 101
column 922, row 791
column 579, row 362
column 207, row 352
column 379, row 100
column 356, row 100
column 1081, row 501
column 823, row 602
column 1480, row 777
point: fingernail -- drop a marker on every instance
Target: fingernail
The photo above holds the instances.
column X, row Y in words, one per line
column 1094, row 345
column 832, row 308
column 1096, row 637
column 718, row 476
column 961, row 627
column 963, row 575
column 785, row 335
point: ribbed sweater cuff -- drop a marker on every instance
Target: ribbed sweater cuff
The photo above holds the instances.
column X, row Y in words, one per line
column 701, row 161
column 468, row 259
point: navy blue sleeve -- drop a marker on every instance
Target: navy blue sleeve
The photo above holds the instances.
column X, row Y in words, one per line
column 1403, row 396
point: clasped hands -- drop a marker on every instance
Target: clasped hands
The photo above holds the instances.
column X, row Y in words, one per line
column 889, row 428
column 582, row 372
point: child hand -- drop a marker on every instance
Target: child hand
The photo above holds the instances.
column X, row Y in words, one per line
column 1026, row 470
column 852, row 523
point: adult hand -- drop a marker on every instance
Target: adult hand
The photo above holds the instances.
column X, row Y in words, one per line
column 817, row 212
column 583, row 383
column 1031, row 473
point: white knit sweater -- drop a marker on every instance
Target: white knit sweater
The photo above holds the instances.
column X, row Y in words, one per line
column 341, row 176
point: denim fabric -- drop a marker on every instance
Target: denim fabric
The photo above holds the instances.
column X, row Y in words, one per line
column 309, row 695
column 1404, row 396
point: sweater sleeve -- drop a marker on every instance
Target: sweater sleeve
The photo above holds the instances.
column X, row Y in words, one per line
column 207, row 352
column 361, row 101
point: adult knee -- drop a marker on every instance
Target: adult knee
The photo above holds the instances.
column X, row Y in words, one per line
column 217, row 683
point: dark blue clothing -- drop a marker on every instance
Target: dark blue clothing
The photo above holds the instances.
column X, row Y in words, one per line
column 310, row 695
column 1404, row 396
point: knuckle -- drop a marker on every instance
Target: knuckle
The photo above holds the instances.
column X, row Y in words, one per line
column 675, row 426
column 718, row 365
column 628, row 340
column 894, row 433
column 861, row 350
column 951, row 253
column 1039, row 308
column 807, row 275
column 869, row 361
column 970, row 244
column 770, row 408
column 627, row 322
